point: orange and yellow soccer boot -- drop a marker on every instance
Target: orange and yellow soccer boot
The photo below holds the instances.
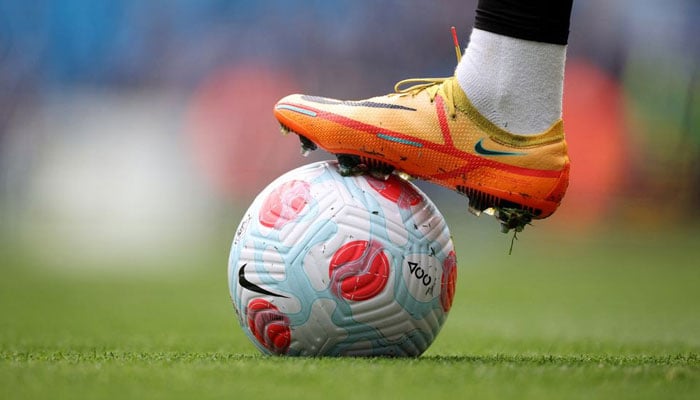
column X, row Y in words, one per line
column 431, row 131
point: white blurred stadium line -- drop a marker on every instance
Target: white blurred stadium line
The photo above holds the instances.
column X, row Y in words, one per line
column 102, row 180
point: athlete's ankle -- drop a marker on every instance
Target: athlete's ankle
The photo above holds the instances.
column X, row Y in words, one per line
column 516, row 84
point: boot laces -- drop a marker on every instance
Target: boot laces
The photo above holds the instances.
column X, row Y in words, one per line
column 431, row 86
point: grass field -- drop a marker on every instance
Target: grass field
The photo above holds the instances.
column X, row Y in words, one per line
column 609, row 315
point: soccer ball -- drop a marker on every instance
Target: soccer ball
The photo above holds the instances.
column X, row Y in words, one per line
column 326, row 265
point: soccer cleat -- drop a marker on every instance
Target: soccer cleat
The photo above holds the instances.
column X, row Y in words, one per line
column 431, row 131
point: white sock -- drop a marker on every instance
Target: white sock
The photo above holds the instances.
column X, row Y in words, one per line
column 516, row 84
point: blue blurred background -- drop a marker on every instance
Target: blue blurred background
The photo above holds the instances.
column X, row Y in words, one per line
column 134, row 133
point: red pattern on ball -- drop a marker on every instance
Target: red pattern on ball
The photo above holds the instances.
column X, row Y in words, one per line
column 284, row 204
column 448, row 281
column 269, row 326
column 396, row 190
column 359, row 270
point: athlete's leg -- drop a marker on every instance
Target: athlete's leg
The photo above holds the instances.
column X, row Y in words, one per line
column 513, row 68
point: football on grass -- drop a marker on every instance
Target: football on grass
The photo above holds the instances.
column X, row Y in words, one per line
column 327, row 265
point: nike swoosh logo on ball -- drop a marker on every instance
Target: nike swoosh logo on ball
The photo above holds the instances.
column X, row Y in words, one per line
column 253, row 287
